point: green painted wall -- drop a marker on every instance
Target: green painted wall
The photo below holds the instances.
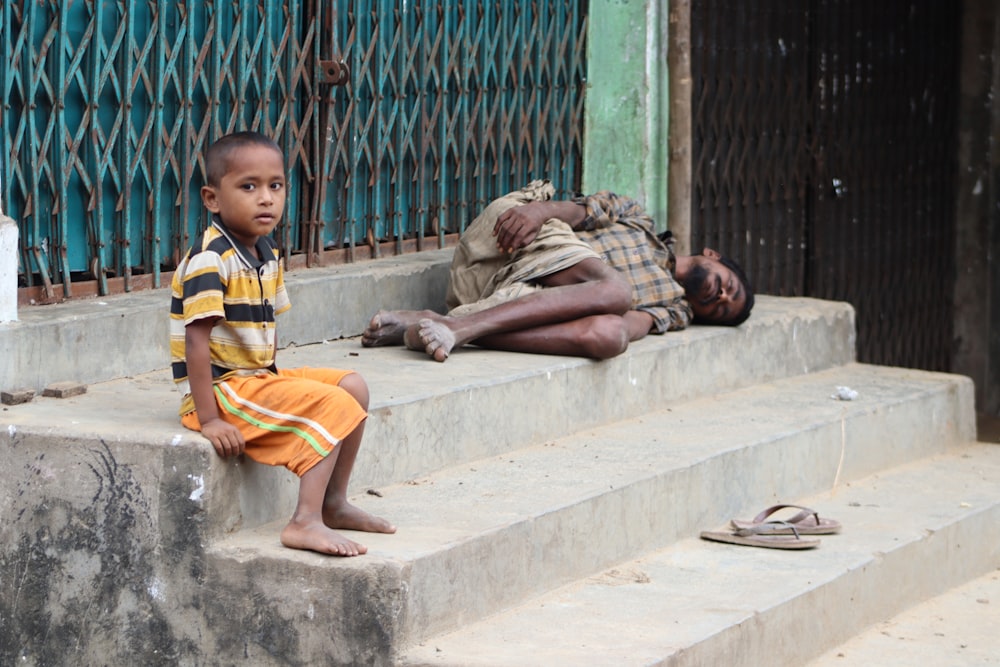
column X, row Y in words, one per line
column 626, row 119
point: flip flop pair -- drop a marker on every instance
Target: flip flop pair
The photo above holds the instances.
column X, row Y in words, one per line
column 763, row 531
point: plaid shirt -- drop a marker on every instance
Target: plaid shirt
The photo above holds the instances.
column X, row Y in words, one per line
column 622, row 233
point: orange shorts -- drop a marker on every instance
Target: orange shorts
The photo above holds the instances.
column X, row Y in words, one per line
column 292, row 419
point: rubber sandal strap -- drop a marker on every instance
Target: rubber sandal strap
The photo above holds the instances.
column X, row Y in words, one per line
column 805, row 512
column 769, row 528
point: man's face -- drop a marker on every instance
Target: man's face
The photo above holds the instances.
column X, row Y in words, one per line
column 715, row 293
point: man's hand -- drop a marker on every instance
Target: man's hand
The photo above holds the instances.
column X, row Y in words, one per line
column 226, row 438
column 518, row 226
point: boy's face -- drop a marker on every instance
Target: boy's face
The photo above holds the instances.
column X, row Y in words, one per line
column 250, row 198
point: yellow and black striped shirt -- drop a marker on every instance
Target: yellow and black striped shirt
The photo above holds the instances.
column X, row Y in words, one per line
column 220, row 278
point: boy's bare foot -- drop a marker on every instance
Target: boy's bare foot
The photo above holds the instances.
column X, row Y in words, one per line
column 433, row 337
column 387, row 327
column 315, row 536
column 346, row 516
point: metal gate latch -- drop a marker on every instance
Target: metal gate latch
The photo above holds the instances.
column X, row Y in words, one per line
column 334, row 72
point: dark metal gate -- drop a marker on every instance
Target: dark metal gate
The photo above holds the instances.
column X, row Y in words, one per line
column 824, row 158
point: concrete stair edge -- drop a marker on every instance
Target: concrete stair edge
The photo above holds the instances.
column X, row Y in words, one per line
column 709, row 603
column 44, row 346
column 426, row 415
column 551, row 539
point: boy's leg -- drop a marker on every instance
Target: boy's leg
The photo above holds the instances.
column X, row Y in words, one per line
column 307, row 529
column 322, row 504
column 291, row 420
column 337, row 511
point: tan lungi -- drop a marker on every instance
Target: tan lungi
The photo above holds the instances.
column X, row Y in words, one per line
column 483, row 276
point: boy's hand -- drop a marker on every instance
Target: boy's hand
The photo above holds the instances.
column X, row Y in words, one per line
column 226, row 438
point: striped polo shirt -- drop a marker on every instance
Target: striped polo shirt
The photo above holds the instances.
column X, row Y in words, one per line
column 220, row 278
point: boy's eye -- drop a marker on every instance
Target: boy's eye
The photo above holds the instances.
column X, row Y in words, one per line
column 247, row 186
column 277, row 185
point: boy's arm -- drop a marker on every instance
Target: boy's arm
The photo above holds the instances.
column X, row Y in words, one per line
column 226, row 438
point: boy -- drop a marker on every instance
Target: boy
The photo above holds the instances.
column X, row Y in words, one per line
column 225, row 294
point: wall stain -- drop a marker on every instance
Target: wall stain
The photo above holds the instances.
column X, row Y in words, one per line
column 82, row 576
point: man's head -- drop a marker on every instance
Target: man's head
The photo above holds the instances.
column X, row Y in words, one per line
column 716, row 287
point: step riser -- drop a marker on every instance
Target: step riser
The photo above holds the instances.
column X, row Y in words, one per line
column 474, row 578
column 470, row 581
column 412, row 439
column 834, row 611
column 45, row 345
column 297, row 617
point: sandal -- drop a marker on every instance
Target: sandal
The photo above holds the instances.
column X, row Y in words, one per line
column 762, row 535
column 806, row 522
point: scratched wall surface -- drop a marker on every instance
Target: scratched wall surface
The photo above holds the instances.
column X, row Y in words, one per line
column 72, row 518
column 398, row 121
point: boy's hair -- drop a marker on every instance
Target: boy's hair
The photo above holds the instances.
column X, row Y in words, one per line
column 218, row 154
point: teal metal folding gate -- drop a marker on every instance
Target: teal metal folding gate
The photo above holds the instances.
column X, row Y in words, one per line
column 399, row 120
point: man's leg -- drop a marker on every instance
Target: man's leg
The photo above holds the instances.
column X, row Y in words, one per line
column 589, row 289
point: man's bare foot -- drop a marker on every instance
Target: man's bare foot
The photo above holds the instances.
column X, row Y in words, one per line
column 346, row 516
column 433, row 337
column 315, row 536
column 387, row 327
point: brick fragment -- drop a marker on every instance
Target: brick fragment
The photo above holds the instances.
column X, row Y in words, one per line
column 16, row 396
column 64, row 389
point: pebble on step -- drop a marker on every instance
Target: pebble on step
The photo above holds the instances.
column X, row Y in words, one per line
column 16, row 396
column 64, row 389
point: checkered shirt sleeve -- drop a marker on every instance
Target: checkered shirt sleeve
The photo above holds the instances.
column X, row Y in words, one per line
column 623, row 234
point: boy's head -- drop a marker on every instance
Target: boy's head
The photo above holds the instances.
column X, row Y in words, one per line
column 245, row 174
column 219, row 156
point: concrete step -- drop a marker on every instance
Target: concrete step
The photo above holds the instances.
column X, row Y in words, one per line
column 70, row 341
column 909, row 533
column 958, row 627
column 483, row 536
column 425, row 416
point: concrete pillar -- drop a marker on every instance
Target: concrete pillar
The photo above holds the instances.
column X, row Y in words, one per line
column 626, row 116
column 8, row 267
column 976, row 350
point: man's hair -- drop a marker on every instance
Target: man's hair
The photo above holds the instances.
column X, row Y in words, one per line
column 741, row 316
column 217, row 157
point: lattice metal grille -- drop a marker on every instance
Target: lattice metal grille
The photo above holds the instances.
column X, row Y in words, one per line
column 442, row 106
column 752, row 137
column 825, row 158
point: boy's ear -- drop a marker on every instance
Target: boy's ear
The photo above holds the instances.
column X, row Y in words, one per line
column 209, row 198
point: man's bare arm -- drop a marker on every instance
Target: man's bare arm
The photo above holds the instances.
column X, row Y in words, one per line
column 639, row 323
column 518, row 226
